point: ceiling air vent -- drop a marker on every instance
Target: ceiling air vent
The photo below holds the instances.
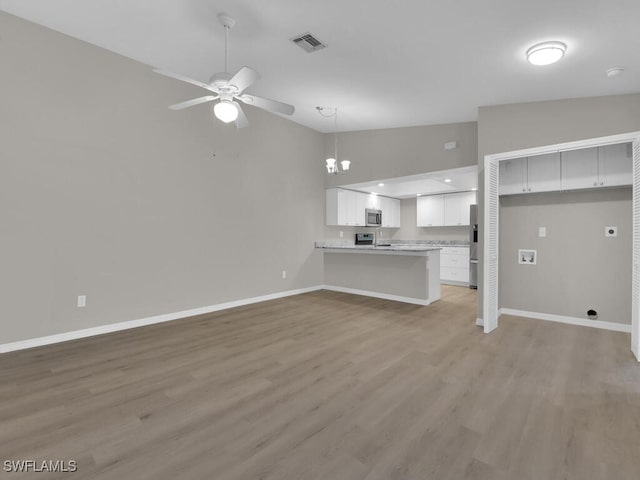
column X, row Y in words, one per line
column 308, row 42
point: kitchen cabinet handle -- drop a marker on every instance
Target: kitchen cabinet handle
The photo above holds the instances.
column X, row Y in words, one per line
column 524, row 189
column 601, row 183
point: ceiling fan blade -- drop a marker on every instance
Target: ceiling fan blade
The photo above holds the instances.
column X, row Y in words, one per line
column 242, row 120
column 267, row 104
column 245, row 77
column 191, row 103
column 182, row 78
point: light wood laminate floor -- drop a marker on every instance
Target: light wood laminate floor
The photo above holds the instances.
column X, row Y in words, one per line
column 329, row 386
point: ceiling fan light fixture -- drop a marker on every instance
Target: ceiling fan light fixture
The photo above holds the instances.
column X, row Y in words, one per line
column 546, row 53
column 225, row 111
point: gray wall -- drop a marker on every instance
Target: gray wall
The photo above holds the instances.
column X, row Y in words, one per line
column 577, row 268
column 106, row 192
column 505, row 128
column 397, row 152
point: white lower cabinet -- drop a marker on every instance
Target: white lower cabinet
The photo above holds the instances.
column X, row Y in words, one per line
column 454, row 265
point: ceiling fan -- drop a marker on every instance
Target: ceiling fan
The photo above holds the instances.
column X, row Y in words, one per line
column 227, row 88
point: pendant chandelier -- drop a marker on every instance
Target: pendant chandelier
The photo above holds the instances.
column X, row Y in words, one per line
column 332, row 162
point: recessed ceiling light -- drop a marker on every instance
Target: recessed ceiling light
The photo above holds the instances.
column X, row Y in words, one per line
column 381, row 184
column 546, row 53
column 475, row 189
column 418, row 195
column 447, row 180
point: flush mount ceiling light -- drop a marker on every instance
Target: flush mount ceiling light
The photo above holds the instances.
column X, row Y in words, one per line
column 546, row 53
column 332, row 163
column 447, row 180
column 615, row 71
column 381, row 184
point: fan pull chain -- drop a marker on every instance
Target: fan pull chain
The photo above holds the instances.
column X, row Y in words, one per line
column 226, row 48
column 335, row 124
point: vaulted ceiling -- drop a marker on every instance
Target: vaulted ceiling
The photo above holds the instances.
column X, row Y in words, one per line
column 387, row 64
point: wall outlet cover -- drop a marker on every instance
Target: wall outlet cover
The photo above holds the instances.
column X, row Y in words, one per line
column 610, row 231
column 82, row 301
column 542, row 231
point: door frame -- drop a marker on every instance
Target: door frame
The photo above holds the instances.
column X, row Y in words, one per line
column 490, row 300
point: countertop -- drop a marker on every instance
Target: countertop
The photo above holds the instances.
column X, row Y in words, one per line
column 393, row 249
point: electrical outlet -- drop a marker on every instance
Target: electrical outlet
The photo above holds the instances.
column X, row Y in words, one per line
column 341, row 234
column 82, row 301
column 542, row 231
column 610, row 231
column 284, row 274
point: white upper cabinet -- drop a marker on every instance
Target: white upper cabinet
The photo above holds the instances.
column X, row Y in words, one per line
column 390, row 212
column 456, row 208
column 430, row 211
column 374, row 201
column 450, row 209
column 335, row 199
column 347, row 207
column 543, row 173
column 579, row 168
column 615, row 165
column 607, row 166
column 540, row 173
column 513, row 176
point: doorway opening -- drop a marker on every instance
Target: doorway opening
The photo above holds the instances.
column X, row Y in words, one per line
column 490, row 284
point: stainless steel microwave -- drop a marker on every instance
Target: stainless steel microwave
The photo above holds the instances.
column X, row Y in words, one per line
column 373, row 217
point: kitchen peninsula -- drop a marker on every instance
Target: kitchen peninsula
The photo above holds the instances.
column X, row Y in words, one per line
column 404, row 273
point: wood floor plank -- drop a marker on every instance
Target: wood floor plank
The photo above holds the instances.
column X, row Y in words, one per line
column 328, row 385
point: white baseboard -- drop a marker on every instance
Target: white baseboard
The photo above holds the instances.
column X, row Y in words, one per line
column 384, row 296
column 616, row 327
column 167, row 317
column 454, row 283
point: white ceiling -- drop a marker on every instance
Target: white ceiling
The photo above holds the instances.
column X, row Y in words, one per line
column 462, row 179
column 388, row 64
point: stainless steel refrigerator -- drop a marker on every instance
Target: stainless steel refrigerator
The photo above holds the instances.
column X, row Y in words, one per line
column 473, row 247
